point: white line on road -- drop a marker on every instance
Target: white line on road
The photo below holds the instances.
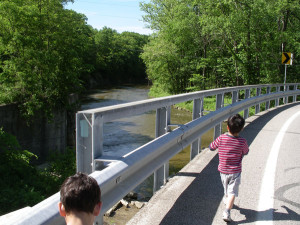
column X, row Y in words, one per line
column 266, row 201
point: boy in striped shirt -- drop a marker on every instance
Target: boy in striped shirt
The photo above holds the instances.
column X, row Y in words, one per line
column 231, row 148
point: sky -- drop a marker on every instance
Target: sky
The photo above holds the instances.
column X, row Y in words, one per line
column 120, row 15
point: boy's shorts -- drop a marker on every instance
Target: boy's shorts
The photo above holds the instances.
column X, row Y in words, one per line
column 231, row 183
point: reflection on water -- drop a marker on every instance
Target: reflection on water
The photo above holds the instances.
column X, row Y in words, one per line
column 126, row 134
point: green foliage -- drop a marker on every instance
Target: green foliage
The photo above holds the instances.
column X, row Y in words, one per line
column 118, row 58
column 43, row 54
column 22, row 183
column 205, row 44
column 61, row 165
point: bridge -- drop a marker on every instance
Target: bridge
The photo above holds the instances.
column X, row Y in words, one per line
column 270, row 187
column 117, row 176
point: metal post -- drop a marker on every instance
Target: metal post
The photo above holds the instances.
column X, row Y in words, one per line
column 235, row 96
column 246, row 111
column 197, row 111
column 84, row 143
column 285, row 99
column 257, row 107
column 219, row 103
column 277, row 99
column 97, row 132
column 268, row 102
column 99, row 220
column 162, row 120
column 295, row 96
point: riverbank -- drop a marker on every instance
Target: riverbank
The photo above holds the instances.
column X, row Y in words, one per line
column 121, row 216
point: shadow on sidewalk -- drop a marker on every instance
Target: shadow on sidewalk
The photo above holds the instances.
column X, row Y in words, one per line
column 251, row 215
column 199, row 202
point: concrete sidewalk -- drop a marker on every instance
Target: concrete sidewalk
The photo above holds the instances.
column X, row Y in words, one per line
column 194, row 195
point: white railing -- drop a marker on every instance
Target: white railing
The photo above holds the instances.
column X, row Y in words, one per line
column 119, row 176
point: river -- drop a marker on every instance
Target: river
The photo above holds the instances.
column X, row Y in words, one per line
column 124, row 135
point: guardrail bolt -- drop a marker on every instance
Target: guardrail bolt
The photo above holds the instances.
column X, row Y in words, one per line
column 118, row 179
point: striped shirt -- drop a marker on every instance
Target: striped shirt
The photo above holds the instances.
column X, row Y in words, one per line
column 231, row 150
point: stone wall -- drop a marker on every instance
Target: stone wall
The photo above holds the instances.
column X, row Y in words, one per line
column 40, row 137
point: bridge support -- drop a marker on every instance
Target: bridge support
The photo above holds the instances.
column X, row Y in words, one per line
column 163, row 116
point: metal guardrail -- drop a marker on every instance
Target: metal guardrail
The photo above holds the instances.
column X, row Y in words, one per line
column 123, row 174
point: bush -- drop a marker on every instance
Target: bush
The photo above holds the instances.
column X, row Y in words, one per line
column 22, row 183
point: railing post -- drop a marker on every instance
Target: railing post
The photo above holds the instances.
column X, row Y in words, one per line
column 197, row 112
column 162, row 122
column 99, row 220
column 246, row 111
column 277, row 99
column 84, row 143
column 219, row 103
column 268, row 102
column 89, row 142
column 286, row 99
column 235, row 97
column 257, row 107
column 295, row 96
column 97, row 147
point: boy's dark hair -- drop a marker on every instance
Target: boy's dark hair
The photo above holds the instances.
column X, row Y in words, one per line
column 235, row 123
column 80, row 193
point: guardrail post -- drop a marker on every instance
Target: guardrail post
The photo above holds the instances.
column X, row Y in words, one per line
column 235, row 97
column 89, row 142
column 295, row 96
column 286, row 99
column 84, row 143
column 97, row 142
column 197, row 112
column 162, row 122
column 277, row 99
column 268, row 102
column 246, row 111
column 219, row 103
column 257, row 107
column 99, row 220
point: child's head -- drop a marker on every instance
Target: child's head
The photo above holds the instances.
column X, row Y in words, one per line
column 235, row 123
column 80, row 193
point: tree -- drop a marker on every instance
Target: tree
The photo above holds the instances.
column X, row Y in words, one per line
column 42, row 54
column 118, row 58
column 218, row 43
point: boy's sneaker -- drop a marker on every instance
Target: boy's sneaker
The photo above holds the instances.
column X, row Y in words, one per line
column 226, row 216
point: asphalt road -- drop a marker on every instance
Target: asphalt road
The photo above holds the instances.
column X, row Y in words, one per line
column 270, row 189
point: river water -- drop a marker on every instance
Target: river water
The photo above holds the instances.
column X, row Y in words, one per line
column 124, row 135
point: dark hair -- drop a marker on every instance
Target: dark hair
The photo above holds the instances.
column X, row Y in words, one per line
column 235, row 123
column 80, row 192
